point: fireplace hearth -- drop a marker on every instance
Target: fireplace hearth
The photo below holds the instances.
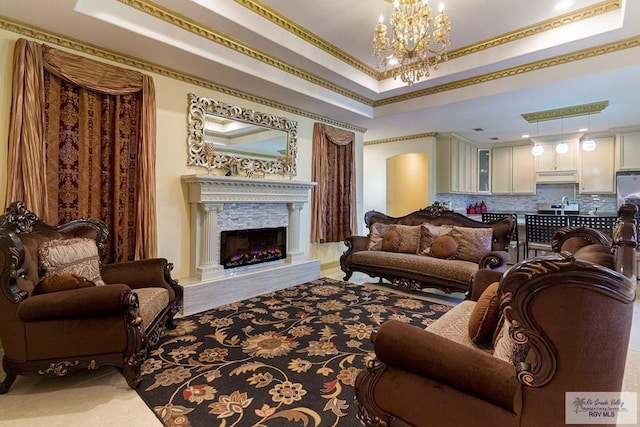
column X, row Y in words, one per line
column 241, row 248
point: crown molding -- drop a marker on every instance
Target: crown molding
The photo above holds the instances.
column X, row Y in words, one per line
column 306, row 35
column 276, row 18
column 565, row 112
column 402, row 138
column 193, row 27
column 95, row 51
column 580, row 55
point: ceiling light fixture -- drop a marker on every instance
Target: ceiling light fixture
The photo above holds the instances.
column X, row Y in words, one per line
column 562, row 147
column 537, row 149
column 418, row 41
column 588, row 144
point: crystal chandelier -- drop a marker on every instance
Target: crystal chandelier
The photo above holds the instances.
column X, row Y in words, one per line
column 417, row 43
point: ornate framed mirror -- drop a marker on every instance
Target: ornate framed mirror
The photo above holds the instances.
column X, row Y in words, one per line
column 242, row 141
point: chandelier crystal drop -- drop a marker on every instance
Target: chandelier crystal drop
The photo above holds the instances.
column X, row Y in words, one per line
column 416, row 42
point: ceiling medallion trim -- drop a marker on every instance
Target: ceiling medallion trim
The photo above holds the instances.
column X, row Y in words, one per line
column 191, row 26
column 79, row 46
column 306, row 35
column 401, row 138
column 565, row 112
column 580, row 55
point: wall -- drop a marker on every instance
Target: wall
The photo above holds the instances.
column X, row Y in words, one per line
column 171, row 160
column 375, row 174
column 407, row 183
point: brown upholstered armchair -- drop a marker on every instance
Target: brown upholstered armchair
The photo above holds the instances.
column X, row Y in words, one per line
column 60, row 312
column 568, row 323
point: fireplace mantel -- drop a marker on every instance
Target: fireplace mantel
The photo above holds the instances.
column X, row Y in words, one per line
column 225, row 189
column 210, row 285
column 209, row 193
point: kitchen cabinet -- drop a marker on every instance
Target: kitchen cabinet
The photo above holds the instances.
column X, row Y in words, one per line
column 596, row 171
column 457, row 165
column 484, row 170
column 512, row 170
column 552, row 166
column 629, row 153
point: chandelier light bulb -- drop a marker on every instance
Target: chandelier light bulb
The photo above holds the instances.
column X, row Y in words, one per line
column 562, row 148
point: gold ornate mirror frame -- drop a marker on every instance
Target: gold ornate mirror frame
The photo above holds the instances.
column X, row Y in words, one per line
column 204, row 154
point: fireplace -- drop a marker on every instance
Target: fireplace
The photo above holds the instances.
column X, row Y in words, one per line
column 240, row 248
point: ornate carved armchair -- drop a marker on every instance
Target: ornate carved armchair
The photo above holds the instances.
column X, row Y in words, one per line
column 60, row 311
column 567, row 327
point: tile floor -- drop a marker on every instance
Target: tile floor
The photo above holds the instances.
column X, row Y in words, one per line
column 102, row 398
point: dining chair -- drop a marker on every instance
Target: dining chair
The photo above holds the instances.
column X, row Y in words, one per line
column 492, row 216
column 539, row 231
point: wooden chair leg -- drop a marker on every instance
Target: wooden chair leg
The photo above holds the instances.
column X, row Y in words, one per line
column 7, row 383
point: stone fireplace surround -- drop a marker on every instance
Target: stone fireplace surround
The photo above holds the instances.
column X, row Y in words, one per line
column 225, row 203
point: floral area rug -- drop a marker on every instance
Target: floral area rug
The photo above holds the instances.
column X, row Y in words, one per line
column 282, row 359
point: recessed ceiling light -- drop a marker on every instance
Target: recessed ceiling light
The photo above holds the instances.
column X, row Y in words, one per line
column 478, row 129
column 564, row 4
column 525, row 135
column 494, row 138
column 583, row 129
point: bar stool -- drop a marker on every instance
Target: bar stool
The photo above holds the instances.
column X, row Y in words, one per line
column 539, row 230
column 600, row 223
column 491, row 217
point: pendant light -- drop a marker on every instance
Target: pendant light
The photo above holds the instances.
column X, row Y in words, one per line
column 588, row 144
column 562, row 147
column 537, row 149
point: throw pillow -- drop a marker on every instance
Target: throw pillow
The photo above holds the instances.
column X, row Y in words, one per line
column 61, row 282
column 597, row 254
column 505, row 348
column 391, row 241
column 444, row 247
column 428, row 234
column 72, row 256
column 484, row 317
column 473, row 243
column 409, row 237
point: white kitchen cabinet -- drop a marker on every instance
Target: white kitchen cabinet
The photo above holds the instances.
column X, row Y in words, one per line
column 512, row 170
column 629, row 153
column 457, row 165
column 596, row 171
column 552, row 166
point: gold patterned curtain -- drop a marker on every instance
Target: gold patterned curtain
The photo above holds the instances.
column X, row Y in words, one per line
column 82, row 144
column 333, row 201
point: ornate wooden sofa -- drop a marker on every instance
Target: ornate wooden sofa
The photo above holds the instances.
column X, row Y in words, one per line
column 508, row 355
column 478, row 245
column 60, row 311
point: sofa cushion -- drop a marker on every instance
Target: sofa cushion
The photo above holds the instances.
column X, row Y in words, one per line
column 399, row 264
column 77, row 256
column 597, row 254
column 473, row 243
column 453, row 325
column 428, row 233
column 409, row 236
column 485, row 315
column 61, row 282
column 444, row 247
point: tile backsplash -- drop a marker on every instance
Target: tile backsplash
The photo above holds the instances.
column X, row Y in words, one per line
column 545, row 193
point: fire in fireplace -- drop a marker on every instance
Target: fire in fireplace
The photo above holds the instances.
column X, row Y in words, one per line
column 240, row 248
